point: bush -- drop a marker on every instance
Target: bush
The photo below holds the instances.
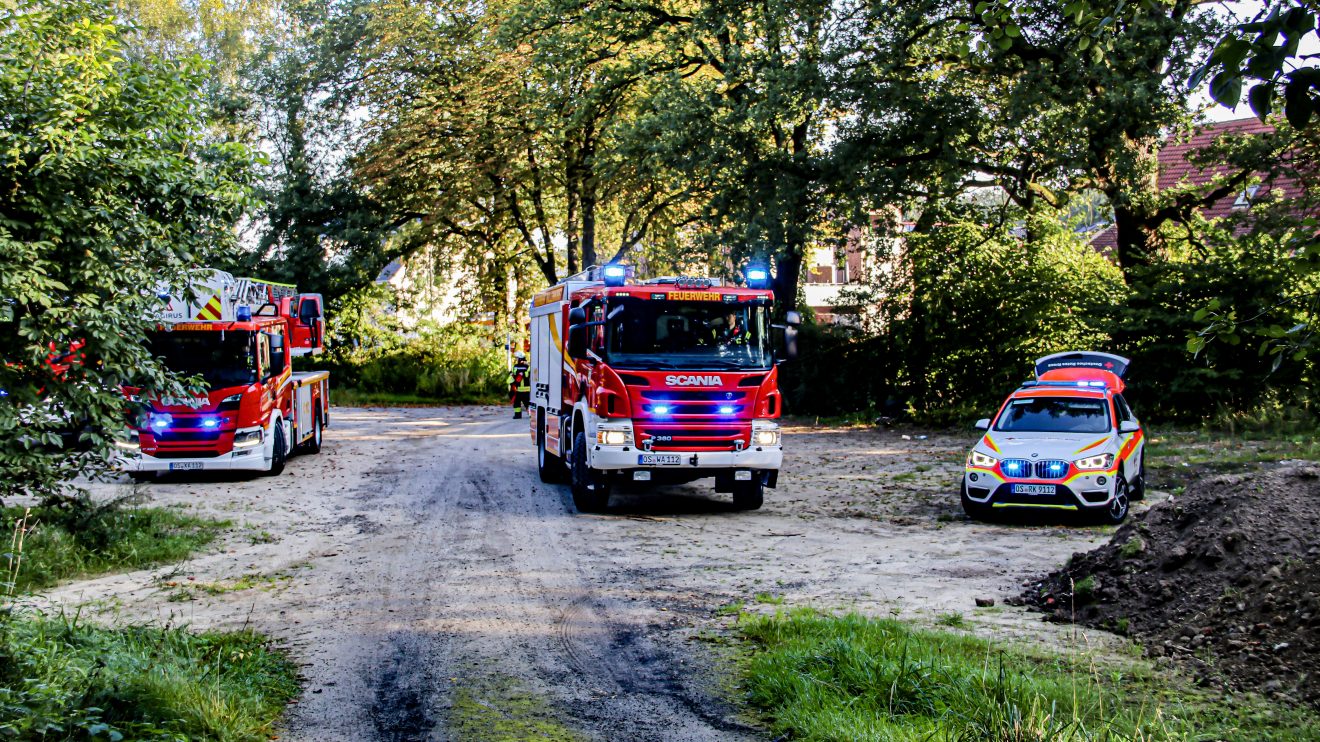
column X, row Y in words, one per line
column 962, row 313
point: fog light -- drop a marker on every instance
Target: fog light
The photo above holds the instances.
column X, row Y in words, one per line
column 1100, row 480
column 742, row 475
column 641, row 476
column 250, row 437
column 973, row 476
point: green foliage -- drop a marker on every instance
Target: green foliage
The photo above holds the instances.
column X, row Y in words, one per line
column 963, row 311
column 63, row 681
column 111, row 189
column 82, row 539
column 835, row 678
column 371, row 351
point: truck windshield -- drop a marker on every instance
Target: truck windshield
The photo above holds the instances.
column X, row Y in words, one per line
column 1055, row 415
column 659, row 333
column 222, row 359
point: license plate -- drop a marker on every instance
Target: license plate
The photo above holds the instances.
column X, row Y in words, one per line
column 1033, row 489
column 659, row 459
column 185, row 465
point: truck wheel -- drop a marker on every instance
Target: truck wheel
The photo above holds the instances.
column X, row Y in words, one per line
column 278, row 451
column 749, row 494
column 590, row 493
column 974, row 510
column 313, row 444
column 548, row 465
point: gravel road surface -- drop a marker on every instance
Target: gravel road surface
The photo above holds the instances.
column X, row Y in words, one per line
column 430, row 585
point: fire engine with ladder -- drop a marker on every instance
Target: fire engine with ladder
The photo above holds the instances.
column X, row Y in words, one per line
column 663, row 381
column 239, row 335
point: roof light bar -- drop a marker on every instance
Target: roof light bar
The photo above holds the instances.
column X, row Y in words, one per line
column 758, row 277
column 614, row 275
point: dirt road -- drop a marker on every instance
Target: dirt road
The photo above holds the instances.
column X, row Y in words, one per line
column 432, row 588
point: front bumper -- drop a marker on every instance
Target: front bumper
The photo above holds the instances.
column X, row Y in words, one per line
column 610, row 458
column 243, row 459
column 1085, row 491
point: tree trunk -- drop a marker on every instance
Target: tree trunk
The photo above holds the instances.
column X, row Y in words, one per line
column 588, row 222
column 788, row 267
column 1138, row 239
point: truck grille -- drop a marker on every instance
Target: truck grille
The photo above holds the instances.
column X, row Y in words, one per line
column 689, row 438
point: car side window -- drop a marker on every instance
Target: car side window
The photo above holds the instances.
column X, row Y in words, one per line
column 1124, row 412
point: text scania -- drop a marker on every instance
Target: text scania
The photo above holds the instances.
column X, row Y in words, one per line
column 692, row 380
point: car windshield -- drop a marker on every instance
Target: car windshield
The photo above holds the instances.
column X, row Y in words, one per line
column 1054, row 415
column 222, row 359
column 696, row 335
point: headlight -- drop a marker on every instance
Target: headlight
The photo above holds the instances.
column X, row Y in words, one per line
column 248, row 437
column 765, row 434
column 979, row 459
column 611, row 436
column 1103, row 461
column 230, row 403
column 131, row 442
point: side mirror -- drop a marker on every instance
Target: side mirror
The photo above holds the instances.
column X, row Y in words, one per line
column 983, row 424
column 277, row 356
column 793, row 319
column 577, row 333
column 1129, row 426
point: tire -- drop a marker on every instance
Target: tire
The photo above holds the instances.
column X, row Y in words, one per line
column 974, row 510
column 1118, row 508
column 313, row 444
column 589, row 494
column 279, row 451
column 750, row 494
column 1138, row 489
column 548, row 465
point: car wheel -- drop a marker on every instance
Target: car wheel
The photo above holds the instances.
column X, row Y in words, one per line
column 278, row 451
column 974, row 510
column 548, row 465
column 749, row 494
column 1117, row 511
column 1138, row 489
column 590, row 493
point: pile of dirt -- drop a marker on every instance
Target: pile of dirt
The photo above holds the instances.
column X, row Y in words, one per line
column 1224, row 578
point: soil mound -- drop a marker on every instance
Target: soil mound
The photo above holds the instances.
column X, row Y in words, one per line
column 1224, row 578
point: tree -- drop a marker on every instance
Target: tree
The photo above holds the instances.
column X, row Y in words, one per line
column 111, row 192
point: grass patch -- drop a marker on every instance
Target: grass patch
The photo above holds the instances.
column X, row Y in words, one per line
column 59, row 680
column 768, row 599
column 64, row 543
column 730, row 609
column 952, row 620
column 820, row 677
column 497, row 709
column 356, row 398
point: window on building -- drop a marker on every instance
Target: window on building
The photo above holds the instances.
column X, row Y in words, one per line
column 1245, row 198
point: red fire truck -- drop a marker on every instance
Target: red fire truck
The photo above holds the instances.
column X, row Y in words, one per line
column 239, row 335
column 668, row 380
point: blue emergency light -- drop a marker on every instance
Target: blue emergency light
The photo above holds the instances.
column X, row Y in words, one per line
column 726, row 409
column 210, row 422
column 614, row 275
column 757, row 277
column 160, row 422
column 660, row 409
column 243, row 313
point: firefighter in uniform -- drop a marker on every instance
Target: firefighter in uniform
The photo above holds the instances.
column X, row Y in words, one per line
column 520, row 384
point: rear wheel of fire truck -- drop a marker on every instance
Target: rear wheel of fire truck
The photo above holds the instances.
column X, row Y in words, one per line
column 548, row 465
column 313, row 444
column 278, row 450
column 590, row 492
column 975, row 510
column 749, row 494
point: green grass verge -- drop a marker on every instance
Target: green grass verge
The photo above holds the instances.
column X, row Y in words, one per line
column 66, row 543
column 357, row 398
column 821, row 677
column 62, row 681
column 498, row 709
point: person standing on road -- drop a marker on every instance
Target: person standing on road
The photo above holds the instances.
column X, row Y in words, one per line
column 520, row 384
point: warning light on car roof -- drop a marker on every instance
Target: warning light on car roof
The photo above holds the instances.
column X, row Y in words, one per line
column 757, row 277
column 615, row 275
column 243, row 313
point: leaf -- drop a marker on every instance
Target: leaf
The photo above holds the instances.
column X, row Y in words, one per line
column 1261, row 97
column 1226, row 89
column 1297, row 104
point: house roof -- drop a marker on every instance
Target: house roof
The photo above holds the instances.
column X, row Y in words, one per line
column 1176, row 169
